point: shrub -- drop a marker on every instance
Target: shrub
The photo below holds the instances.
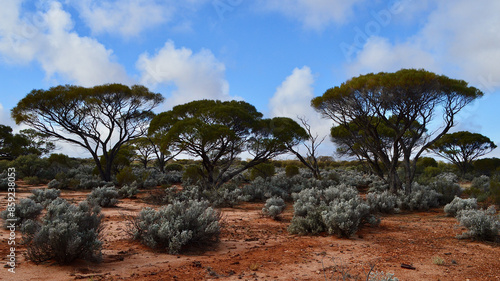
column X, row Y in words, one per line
column 34, row 180
column 177, row 225
column 67, row 232
column 174, row 167
column 447, row 185
column 421, row 198
column 291, row 170
column 192, row 174
column 29, row 165
column 54, row 184
column 104, row 196
column 337, row 209
column 481, row 225
column 128, row 191
column 125, row 176
column 227, row 195
column 459, row 204
column 274, row 207
column 263, row 170
column 45, row 195
column 5, row 182
column 25, row 210
column 482, row 183
column 383, row 202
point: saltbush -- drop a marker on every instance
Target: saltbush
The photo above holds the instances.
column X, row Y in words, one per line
column 421, row 198
column 125, row 176
column 447, row 185
column 177, row 225
column 481, row 224
column 263, row 170
column 67, row 232
column 274, row 207
column 174, row 167
column 459, row 204
column 337, row 209
column 128, row 191
column 4, row 181
column 55, row 184
column 482, row 183
column 383, row 202
column 104, row 196
column 25, row 210
column 45, row 195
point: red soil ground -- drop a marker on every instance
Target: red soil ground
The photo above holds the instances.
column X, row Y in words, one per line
column 254, row 247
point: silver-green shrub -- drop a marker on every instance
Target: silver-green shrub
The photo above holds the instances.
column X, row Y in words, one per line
column 177, row 225
column 421, row 198
column 274, row 207
column 481, row 224
column 482, row 183
column 128, row 191
column 459, row 204
column 67, row 232
column 26, row 209
column 382, row 202
column 337, row 209
column 381, row 276
column 55, row 184
column 105, row 196
column 447, row 185
column 45, row 195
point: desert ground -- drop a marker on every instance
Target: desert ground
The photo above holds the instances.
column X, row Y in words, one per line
column 254, row 247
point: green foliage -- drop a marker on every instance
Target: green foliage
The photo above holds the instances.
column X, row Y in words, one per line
column 462, row 148
column 291, row 170
column 173, row 167
column 486, row 166
column 67, row 232
column 104, row 196
column 263, row 170
column 30, row 166
column 447, row 185
column 34, row 180
column 125, row 176
column 83, row 117
column 375, row 121
column 193, row 174
column 177, row 225
column 217, row 132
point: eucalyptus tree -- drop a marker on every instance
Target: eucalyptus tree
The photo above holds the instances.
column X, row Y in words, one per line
column 462, row 148
column 218, row 132
column 100, row 119
column 385, row 117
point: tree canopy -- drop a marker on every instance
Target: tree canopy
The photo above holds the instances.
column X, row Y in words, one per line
column 462, row 148
column 27, row 141
column 384, row 118
column 100, row 119
column 217, row 132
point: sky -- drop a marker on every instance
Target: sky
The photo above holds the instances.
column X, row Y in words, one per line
column 274, row 54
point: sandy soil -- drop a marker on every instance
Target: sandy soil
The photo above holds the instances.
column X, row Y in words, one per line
column 254, row 247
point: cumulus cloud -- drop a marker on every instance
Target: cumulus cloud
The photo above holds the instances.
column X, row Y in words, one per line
column 47, row 38
column 293, row 99
column 459, row 38
column 129, row 18
column 194, row 75
column 314, row 14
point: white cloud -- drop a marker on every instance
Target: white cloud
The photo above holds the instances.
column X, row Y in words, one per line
column 129, row 18
column 378, row 54
column 47, row 38
column 5, row 117
column 459, row 38
column 293, row 99
column 314, row 14
column 195, row 75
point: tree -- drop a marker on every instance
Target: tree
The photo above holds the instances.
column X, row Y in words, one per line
column 310, row 160
column 39, row 143
column 384, row 117
column 462, row 148
column 217, row 132
column 100, row 119
column 11, row 146
column 148, row 148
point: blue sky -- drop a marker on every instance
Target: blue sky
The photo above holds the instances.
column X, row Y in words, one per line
column 274, row 54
